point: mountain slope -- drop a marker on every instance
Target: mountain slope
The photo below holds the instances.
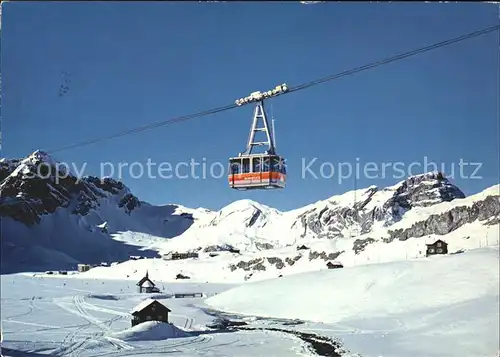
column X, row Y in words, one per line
column 439, row 306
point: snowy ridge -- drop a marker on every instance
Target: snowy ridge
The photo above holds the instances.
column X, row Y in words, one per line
column 282, row 257
column 218, row 269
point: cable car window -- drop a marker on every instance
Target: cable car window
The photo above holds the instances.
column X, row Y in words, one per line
column 246, row 165
column 265, row 166
column 274, row 166
column 283, row 168
column 235, row 168
column 256, row 164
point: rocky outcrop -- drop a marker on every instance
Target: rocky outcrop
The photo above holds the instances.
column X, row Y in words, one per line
column 251, row 265
column 280, row 263
column 218, row 248
column 446, row 222
column 19, row 210
column 277, row 262
column 7, row 167
column 359, row 244
column 106, row 184
column 323, row 255
column 263, row 246
column 337, row 219
column 291, row 261
column 129, row 202
column 254, row 218
column 259, row 263
column 492, row 221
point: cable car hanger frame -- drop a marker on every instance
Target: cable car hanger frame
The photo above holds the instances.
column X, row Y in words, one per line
column 267, row 170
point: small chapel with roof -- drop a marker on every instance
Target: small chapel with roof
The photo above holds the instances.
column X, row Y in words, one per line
column 146, row 285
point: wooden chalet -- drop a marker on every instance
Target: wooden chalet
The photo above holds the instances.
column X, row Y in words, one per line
column 135, row 257
column 146, row 285
column 438, row 247
column 302, row 247
column 83, row 268
column 334, row 265
column 149, row 310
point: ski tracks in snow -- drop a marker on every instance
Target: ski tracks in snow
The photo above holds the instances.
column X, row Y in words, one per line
column 78, row 306
column 188, row 344
column 31, row 307
column 80, row 340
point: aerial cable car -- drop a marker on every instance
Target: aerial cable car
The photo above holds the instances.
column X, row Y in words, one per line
column 265, row 170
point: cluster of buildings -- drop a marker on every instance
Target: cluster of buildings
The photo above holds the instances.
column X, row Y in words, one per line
column 177, row 255
column 438, row 247
column 153, row 310
column 82, row 268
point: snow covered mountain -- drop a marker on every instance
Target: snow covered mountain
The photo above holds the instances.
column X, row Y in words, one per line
column 367, row 226
column 47, row 223
column 52, row 220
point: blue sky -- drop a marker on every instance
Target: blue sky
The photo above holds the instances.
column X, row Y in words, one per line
column 134, row 63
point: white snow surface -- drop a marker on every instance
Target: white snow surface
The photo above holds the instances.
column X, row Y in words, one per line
column 89, row 318
column 441, row 306
column 150, row 331
column 444, row 306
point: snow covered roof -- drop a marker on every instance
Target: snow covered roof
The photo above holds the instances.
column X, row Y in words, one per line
column 148, row 284
column 144, row 304
column 334, row 262
column 144, row 280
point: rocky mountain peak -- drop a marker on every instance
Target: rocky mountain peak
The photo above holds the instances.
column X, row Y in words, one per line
column 358, row 212
column 38, row 185
column 426, row 189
